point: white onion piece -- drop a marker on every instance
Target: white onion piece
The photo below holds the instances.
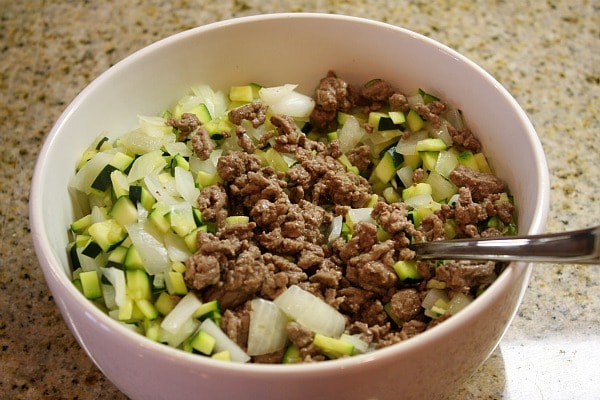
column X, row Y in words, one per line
column 419, row 200
column 86, row 175
column 149, row 163
column 335, row 229
column 356, row 215
column 458, row 302
column 406, row 175
column 158, row 190
column 97, row 214
column 408, row 146
column 138, row 141
column 153, row 126
column 432, row 296
column 441, row 133
column 108, row 295
column 215, row 102
column 415, row 99
column 286, row 101
column 174, row 339
column 153, row 253
column 350, row 134
column 454, row 117
column 185, row 185
column 441, row 188
column 177, row 250
column 267, row 332
column 178, row 148
column 183, row 311
column 116, row 277
column 310, row 311
column 89, row 263
column 223, row 342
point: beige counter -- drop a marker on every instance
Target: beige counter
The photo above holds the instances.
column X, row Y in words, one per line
column 547, row 54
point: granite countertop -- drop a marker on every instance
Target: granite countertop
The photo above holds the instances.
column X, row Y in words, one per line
column 547, row 54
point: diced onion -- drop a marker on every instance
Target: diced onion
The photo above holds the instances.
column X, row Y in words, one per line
column 433, row 295
column 178, row 148
column 158, row 190
column 360, row 346
column 267, row 331
column 335, row 229
column 458, row 302
column 184, row 183
column 310, row 311
column 350, row 134
column 223, row 342
column 174, row 339
column 408, row 146
column 153, row 126
column 138, row 141
column 406, row 175
column 441, row 133
column 181, row 313
column 146, row 164
column 441, row 188
column 153, row 252
column 177, row 250
column 116, row 277
column 285, row 100
column 215, row 101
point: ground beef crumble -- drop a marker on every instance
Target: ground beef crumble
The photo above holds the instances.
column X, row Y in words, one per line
column 284, row 242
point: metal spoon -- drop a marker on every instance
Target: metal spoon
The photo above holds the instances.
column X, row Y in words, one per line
column 574, row 247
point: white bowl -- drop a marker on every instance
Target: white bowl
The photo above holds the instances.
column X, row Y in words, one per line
column 276, row 49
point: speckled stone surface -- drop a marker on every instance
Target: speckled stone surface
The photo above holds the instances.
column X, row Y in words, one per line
column 546, row 53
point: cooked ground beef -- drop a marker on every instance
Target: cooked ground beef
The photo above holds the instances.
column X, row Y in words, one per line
column 184, row 125
column 285, row 243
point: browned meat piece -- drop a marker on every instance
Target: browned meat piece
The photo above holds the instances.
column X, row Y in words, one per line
column 481, row 184
column 463, row 275
column 185, row 125
column 405, row 305
column 202, row 144
column 254, row 112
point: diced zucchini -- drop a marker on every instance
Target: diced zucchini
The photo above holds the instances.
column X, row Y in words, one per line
column 138, row 284
column 121, row 161
column 415, row 190
column 414, row 121
column 390, row 195
column 223, row 355
column 92, row 249
column 90, row 284
column 237, row 219
column 120, row 184
column 159, row 217
column 203, row 342
column 82, row 224
column 427, row 97
column 133, row 260
column 429, row 159
column 204, row 179
column 124, row 211
column 206, row 309
column 397, row 117
column 407, row 270
column 467, row 159
column 179, row 161
column 413, row 161
column 165, row 303
column 147, row 309
column 386, row 168
column 175, row 283
column 108, row 234
column 116, row 258
column 244, row 94
column 381, row 121
column 201, row 111
column 482, row 163
column 292, row 355
column 431, row 144
column 141, row 195
column 181, row 218
column 332, row 347
column 102, row 181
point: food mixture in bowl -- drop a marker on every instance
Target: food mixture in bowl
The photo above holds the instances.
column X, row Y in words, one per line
column 267, row 226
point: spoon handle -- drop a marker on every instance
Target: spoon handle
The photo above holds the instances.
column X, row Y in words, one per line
column 574, row 247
